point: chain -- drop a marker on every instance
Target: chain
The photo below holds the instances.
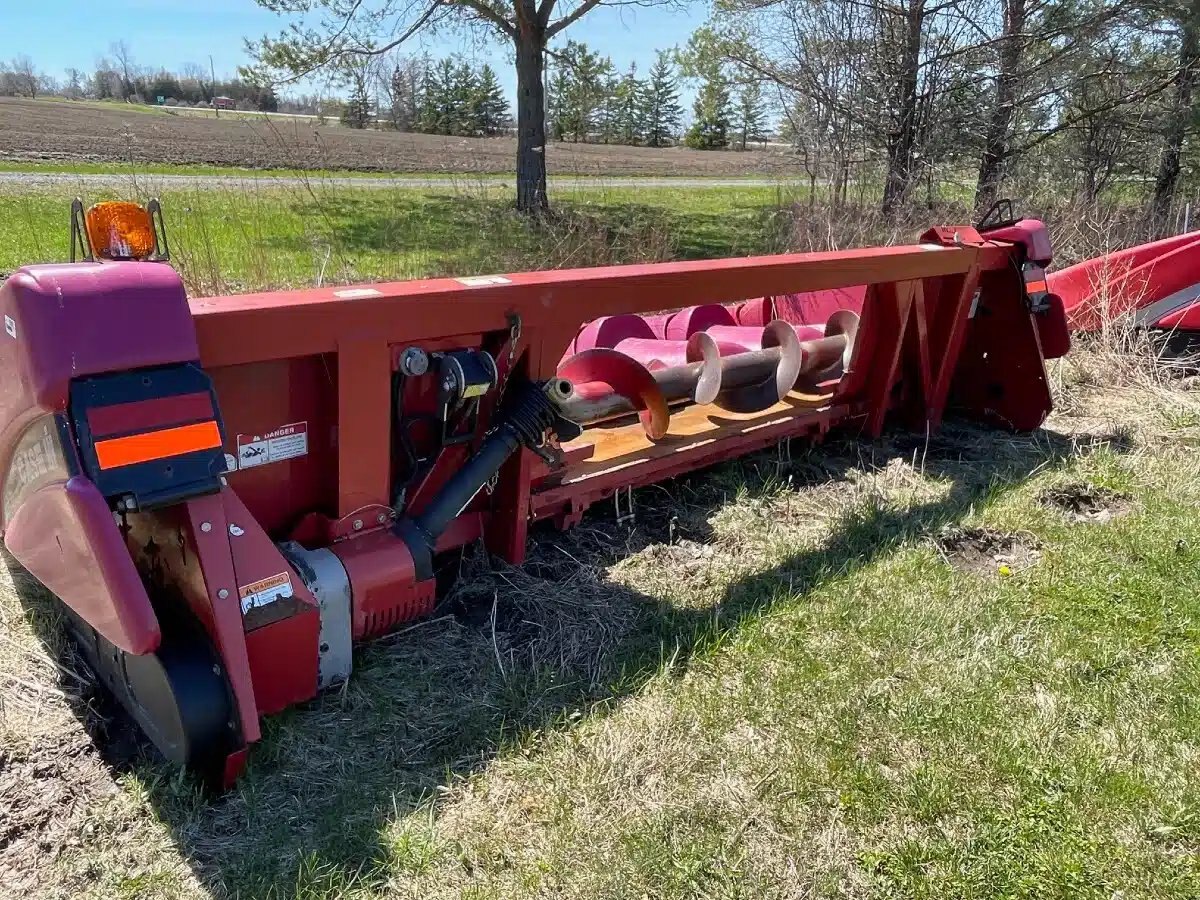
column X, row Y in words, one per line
column 514, row 338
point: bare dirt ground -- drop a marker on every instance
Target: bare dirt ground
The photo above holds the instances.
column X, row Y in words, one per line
column 52, row 131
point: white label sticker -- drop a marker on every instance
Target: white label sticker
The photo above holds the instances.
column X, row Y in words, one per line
column 286, row 442
column 354, row 293
column 264, row 591
column 483, row 280
column 230, row 462
column 10, row 327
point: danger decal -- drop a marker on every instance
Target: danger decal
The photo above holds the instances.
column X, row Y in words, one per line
column 285, row 442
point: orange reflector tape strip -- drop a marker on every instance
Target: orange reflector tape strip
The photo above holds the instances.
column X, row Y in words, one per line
column 1036, row 287
column 140, row 448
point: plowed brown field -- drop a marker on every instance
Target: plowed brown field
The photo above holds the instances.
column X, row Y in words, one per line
column 64, row 131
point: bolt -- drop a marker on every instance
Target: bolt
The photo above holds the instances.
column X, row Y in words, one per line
column 414, row 361
column 206, row 527
column 382, row 518
column 223, row 594
column 324, row 648
column 358, row 524
column 216, row 669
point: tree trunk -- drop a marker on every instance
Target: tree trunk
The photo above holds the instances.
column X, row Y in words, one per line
column 995, row 144
column 1179, row 122
column 531, row 120
column 903, row 139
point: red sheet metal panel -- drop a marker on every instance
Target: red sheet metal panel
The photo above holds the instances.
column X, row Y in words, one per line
column 64, row 534
column 279, row 614
column 261, row 399
column 214, row 598
column 144, row 415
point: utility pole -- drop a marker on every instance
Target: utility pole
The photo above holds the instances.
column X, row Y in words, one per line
column 213, row 72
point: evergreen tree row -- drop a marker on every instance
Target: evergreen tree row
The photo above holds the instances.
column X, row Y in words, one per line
column 723, row 121
column 442, row 97
column 588, row 101
column 457, row 99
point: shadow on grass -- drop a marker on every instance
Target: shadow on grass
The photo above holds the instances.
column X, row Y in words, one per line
column 514, row 652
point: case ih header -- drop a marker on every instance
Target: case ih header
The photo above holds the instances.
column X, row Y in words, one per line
column 227, row 492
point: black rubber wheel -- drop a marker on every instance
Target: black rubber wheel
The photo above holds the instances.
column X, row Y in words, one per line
column 178, row 695
column 180, row 699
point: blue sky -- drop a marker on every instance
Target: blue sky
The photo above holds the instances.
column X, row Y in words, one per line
column 168, row 33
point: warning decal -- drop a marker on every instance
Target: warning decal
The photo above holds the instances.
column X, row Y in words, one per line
column 286, row 442
column 264, row 591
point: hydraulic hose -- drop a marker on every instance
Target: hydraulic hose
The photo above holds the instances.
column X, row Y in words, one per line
column 526, row 417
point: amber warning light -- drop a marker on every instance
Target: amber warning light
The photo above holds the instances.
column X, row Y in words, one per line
column 118, row 230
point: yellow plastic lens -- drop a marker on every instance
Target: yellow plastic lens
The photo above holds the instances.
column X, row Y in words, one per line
column 120, row 230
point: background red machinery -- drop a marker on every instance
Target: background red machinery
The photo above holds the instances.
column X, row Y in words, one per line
column 1154, row 286
column 227, row 492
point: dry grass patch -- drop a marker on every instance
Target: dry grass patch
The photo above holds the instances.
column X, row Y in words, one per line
column 770, row 685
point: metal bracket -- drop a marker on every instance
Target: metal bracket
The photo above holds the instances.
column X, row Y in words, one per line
column 366, row 518
column 975, row 303
column 630, row 513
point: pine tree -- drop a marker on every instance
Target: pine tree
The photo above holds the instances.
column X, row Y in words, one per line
column 586, row 76
column 710, row 131
column 357, row 111
column 441, row 97
column 558, row 103
column 435, row 98
column 629, row 101
column 749, row 115
column 464, row 101
column 491, row 106
column 404, row 90
column 661, row 111
column 605, row 117
column 427, row 114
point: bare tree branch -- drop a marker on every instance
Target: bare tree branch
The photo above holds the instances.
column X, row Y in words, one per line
column 583, row 9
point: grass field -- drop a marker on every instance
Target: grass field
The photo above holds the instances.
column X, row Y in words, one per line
column 229, row 239
column 956, row 667
column 787, row 679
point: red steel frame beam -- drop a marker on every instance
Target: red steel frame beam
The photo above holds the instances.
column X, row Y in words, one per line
column 255, row 327
column 361, row 324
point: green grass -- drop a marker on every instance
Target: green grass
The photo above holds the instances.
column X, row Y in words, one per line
column 773, row 685
column 228, row 239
